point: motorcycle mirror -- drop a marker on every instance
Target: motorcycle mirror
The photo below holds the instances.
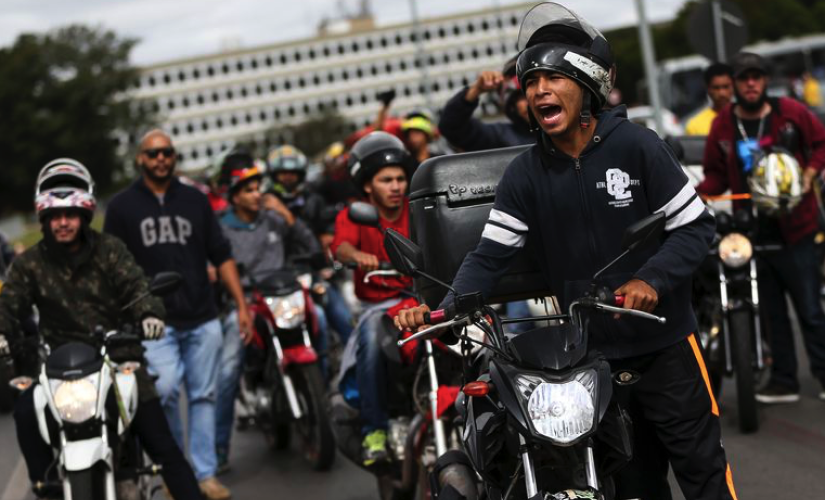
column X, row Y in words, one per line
column 165, row 282
column 405, row 255
column 364, row 214
column 643, row 232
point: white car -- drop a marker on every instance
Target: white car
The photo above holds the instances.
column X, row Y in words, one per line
column 643, row 115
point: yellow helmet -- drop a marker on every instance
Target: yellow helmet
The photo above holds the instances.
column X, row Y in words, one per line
column 419, row 123
column 776, row 182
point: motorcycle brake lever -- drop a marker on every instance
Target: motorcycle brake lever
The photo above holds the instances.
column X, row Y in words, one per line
column 632, row 312
column 426, row 331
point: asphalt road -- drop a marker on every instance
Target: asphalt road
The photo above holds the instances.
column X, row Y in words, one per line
column 785, row 459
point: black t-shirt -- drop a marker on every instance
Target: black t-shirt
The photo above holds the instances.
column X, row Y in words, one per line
column 767, row 227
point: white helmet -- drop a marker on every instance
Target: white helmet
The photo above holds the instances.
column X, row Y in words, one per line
column 64, row 183
column 776, row 182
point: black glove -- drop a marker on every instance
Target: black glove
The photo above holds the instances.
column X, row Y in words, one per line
column 386, row 97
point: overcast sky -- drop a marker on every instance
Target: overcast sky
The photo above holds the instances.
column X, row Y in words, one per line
column 172, row 29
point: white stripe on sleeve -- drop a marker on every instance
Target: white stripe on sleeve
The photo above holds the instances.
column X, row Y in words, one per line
column 690, row 213
column 503, row 236
column 678, row 201
column 508, row 220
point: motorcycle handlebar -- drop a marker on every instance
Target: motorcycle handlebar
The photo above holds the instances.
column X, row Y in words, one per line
column 382, row 266
column 439, row 315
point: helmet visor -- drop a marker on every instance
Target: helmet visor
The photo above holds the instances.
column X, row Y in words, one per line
column 549, row 14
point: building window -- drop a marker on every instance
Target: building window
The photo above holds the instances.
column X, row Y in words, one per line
column 290, row 111
column 170, row 105
column 175, row 130
column 356, row 46
column 204, row 126
column 277, row 114
column 301, row 82
column 273, row 87
column 446, row 58
column 239, row 66
column 373, row 70
column 341, row 49
column 345, row 75
column 485, row 25
column 359, row 73
column 456, row 30
column 215, row 97
column 427, row 35
column 209, row 152
column 287, row 85
column 431, row 61
column 297, row 56
column 196, row 73
column 369, row 44
column 471, row 27
column 306, row 108
column 268, row 61
column 210, row 71
column 403, row 65
column 349, row 101
column 233, row 121
column 258, row 89
column 248, row 118
column 490, row 51
column 363, row 98
column 441, row 32
column 326, row 51
column 190, row 128
column 514, row 21
column 283, row 58
column 194, row 154
column 312, row 54
column 262, row 115
column 185, row 102
column 407, row 91
column 384, row 42
column 167, row 79
column 225, row 68
column 330, row 77
column 475, row 53
column 229, row 94
column 244, row 92
column 460, row 56
column 316, row 80
column 152, row 81
column 219, row 123
column 398, row 40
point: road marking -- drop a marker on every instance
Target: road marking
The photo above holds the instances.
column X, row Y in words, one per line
column 18, row 486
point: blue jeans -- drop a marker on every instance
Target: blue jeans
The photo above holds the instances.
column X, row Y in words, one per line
column 229, row 378
column 321, row 342
column 371, row 372
column 520, row 309
column 794, row 271
column 338, row 313
column 190, row 357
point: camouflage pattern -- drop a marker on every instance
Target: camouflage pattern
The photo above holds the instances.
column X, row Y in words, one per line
column 73, row 299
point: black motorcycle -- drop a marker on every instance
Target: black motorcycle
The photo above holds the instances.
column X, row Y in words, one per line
column 726, row 300
column 541, row 423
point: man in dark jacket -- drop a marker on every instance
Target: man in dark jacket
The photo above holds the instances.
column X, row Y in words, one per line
column 573, row 195
column 169, row 226
column 466, row 133
column 756, row 121
column 80, row 279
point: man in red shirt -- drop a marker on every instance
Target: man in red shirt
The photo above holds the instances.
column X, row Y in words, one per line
column 757, row 122
column 379, row 165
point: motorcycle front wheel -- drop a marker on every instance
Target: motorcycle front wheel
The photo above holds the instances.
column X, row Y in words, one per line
column 741, row 329
column 314, row 428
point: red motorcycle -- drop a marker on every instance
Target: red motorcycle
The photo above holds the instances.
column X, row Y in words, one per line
column 283, row 387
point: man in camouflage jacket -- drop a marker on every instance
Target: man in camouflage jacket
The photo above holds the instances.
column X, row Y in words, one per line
column 80, row 279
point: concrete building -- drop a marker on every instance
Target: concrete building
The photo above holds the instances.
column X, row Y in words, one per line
column 208, row 103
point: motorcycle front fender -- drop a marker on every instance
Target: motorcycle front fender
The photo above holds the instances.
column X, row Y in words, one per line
column 81, row 455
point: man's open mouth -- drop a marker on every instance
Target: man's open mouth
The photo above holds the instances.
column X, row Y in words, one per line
column 549, row 112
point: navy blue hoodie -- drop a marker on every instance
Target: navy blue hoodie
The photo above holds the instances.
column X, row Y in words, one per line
column 179, row 233
column 576, row 211
column 463, row 131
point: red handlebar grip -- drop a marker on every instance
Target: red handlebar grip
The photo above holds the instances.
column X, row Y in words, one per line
column 619, row 300
column 435, row 317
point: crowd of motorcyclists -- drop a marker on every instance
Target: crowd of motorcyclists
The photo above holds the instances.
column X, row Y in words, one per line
column 589, row 175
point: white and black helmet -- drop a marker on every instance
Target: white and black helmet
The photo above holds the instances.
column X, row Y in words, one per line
column 64, row 183
column 554, row 38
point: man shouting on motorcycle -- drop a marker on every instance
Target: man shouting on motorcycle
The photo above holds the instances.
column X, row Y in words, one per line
column 80, row 279
column 591, row 175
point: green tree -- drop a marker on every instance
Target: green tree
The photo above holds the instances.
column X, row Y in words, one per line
column 313, row 135
column 64, row 94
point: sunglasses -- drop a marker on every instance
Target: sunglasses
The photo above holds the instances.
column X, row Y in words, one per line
column 154, row 152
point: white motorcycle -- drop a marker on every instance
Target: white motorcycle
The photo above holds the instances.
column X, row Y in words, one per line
column 85, row 403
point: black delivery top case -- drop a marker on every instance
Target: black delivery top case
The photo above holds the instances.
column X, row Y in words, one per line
column 450, row 201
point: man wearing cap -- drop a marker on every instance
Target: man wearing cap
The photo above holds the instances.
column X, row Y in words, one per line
column 753, row 124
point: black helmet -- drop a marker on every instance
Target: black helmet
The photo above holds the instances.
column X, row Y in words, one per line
column 554, row 38
column 510, row 91
column 373, row 152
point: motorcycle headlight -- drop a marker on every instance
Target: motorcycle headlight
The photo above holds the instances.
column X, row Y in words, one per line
column 562, row 411
column 76, row 400
column 735, row 250
column 288, row 311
